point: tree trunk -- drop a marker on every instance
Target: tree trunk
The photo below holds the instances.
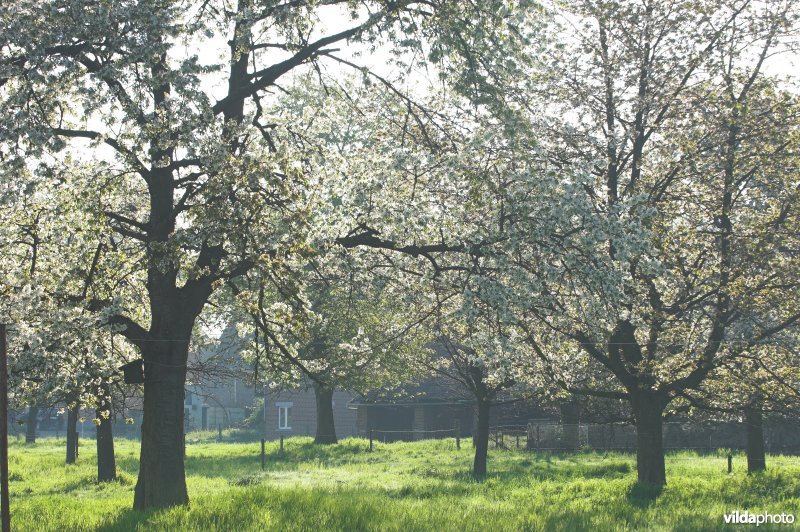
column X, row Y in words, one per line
column 756, row 457
column 481, row 439
column 106, row 463
column 31, row 424
column 570, row 418
column 175, row 303
column 648, row 410
column 326, row 430
column 72, row 433
column 162, row 476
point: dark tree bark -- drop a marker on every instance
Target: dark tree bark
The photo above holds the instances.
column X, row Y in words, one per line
column 648, row 409
column 162, row 478
column 106, row 463
column 481, row 438
column 72, row 433
column 165, row 345
column 31, row 424
column 326, row 430
column 756, row 456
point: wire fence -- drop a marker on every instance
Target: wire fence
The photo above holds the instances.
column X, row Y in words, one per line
column 390, row 436
column 781, row 438
column 508, row 437
column 566, row 438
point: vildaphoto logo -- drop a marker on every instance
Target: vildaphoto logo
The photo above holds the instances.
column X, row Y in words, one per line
column 747, row 518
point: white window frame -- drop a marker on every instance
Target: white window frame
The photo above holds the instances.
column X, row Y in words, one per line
column 285, row 408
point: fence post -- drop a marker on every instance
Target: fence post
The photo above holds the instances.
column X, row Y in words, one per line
column 517, row 440
column 263, row 458
column 458, row 434
column 730, row 463
column 219, row 432
column 370, row 440
column 502, row 440
column 538, row 444
column 281, row 450
column 5, row 510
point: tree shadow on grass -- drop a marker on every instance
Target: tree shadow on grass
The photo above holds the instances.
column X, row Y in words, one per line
column 90, row 483
column 643, row 495
column 298, row 509
column 205, row 462
column 209, row 464
column 287, row 508
column 547, row 470
column 569, row 520
column 128, row 519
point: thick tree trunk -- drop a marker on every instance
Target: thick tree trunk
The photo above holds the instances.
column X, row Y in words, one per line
column 326, row 430
column 648, row 410
column 162, row 477
column 72, row 433
column 175, row 303
column 31, row 424
column 106, row 463
column 570, row 417
column 756, row 456
column 481, row 439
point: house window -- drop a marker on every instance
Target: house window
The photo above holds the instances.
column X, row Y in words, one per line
column 284, row 412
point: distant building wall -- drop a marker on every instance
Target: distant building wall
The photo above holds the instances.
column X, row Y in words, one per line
column 218, row 416
column 302, row 413
column 413, row 421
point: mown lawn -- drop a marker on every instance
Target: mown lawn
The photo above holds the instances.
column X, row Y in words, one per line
column 400, row 486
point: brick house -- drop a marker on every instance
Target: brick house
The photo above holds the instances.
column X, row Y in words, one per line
column 294, row 413
column 429, row 409
column 217, row 392
column 435, row 407
column 219, row 395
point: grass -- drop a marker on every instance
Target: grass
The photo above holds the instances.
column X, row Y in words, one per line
column 399, row 486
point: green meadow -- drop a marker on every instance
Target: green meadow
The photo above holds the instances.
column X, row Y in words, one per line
column 400, row 486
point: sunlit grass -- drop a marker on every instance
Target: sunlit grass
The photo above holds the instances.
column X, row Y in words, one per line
column 400, row 486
